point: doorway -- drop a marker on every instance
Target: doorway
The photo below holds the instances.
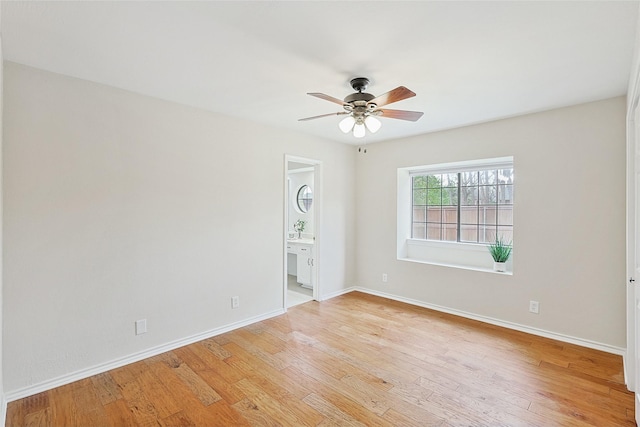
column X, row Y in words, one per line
column 302, row 207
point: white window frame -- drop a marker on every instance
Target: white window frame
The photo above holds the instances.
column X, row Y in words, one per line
column 472, row 256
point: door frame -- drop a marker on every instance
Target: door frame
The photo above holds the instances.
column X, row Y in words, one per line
column 317, row 223
column 630, row 359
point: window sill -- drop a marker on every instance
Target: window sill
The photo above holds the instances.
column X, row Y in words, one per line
column 466, row 256
column 462, row 267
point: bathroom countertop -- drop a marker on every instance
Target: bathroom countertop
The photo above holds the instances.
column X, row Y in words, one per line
column 303, row 241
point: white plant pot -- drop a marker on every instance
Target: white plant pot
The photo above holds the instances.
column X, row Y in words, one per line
column 500, row 266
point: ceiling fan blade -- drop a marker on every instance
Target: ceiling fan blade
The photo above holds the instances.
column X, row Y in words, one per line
column 398, row 94
column 411, row 116
column 327, row 97
column 340, row 113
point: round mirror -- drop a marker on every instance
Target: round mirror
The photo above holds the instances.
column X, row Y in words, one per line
column 305, row 198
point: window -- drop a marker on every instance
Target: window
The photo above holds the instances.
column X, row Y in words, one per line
column 474, row 206
column 449, row 213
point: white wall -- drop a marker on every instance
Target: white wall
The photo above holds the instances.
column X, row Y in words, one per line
column 121, row 207
column 569, row 218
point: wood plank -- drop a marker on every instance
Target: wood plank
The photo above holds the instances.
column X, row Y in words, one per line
column 334, row 397
column 254, row 415
column 119, row 414
column 198, row 386
column 330, row 411
column 191, row 405
column 200, row 361
column 90, row 411
column 286, row 414
column 63, row 409
column 106, row 387
column 180, row 419
column 40, row 418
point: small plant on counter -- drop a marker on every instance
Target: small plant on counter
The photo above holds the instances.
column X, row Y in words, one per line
column 299, row 226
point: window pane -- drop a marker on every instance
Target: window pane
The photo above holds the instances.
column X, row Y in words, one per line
column 505, row 215
column 450, row 232
column 471, row 207
column 434, row 214
column 419, row 182
column 450, row 214
column 506, row 233
column 468, row 195
column 505, row 176
column 434, row 196
column 487, row 177
column 487, row 234
column 487, row 194
column 468, row 214
column 469, row 178
column 434, row 181
column 434, row 232
column 450, row 196
column 487, row 215
column 450, row 180
column 505, row 194
column 419, row 197
column 468, row 233
column 419, row 231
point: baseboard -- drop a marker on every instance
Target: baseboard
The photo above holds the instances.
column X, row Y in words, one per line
column 325, row 297
column 136, row 357
column 509, row 325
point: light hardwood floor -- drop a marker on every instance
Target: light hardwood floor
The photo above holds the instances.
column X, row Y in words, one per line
column 353, row 360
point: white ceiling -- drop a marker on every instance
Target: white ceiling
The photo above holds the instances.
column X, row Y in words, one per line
column 468, row 62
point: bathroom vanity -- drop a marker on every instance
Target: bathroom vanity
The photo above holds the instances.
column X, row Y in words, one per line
column 303, row 250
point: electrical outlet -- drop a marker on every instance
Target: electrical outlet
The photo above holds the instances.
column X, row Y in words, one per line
column 385, row 277
column 141, row 326
column 534, row 307
column 235, row 302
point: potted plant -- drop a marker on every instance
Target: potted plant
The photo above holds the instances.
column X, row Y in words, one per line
column 500, row 252
column 299, row 226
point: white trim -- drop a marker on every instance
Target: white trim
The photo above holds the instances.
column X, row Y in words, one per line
column 467, row 256
column 462, row 267
column 338, row 293
column 136, row 357
column 3, row 411
column 509, row 325
column 463, row 166
column 629, row 359
column 309, row 169
column 316, row 167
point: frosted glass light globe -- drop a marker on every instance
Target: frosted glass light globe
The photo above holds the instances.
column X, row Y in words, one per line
column 373, row 124
column 346, row 124
column 358, row 130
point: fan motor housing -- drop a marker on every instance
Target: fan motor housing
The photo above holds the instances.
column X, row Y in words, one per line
column 358, row 96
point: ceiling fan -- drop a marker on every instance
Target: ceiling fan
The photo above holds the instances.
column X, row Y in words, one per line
column 361, row 108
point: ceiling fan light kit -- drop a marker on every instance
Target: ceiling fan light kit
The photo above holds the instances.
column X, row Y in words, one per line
column 361, row 108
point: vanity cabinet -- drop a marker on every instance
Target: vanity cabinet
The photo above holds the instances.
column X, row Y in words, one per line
column 304, row 261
